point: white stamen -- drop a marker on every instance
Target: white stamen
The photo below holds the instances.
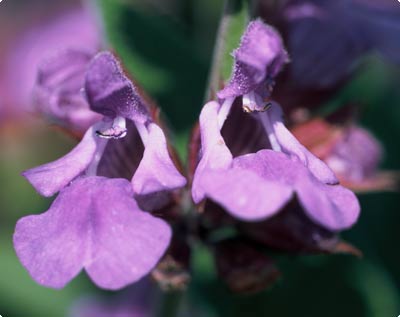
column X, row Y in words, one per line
column 224, row 111
column 143, row 132
column 269, row 129
column 116, row 131
column 101, row 146
column 120, row 122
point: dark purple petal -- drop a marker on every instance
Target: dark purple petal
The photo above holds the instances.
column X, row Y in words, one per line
column 94, row 224
column 244, row 194
column 332, row 206
column 325, row 46
column 259, row 57
column 156, row 171
column 291, row 230
column 214, row 153
column 122, row 156
column 249, row 138
column 110, row 92
column 50, row 178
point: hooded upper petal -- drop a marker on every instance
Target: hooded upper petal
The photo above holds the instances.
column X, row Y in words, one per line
column 215, row 155
column 94, row 224
column 260, row 56
column 332, row 206
column 156, row 171
column 50, row 178
column 110, row 92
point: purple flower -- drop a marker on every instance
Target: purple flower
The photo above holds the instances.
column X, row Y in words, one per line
column 48, row 64
column 58, row 90
column 326, row 39
column 356, row 155
column 255, row 176
column 258, row 60
column 95, row 223
column 355, row 158
column 112, row 94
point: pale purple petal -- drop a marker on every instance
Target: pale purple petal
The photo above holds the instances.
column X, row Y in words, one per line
column 356, row 156
column 75, row 29
column 156, row 171
column 50, row 178
column 110, row 92
column 260, row 56
column 290, row 145
column 332, row 206
column 58, row 88
column 244, row 194
column 215, row 155
column 94, row 224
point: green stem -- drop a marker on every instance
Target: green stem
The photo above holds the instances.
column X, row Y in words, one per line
column 170, row 304
column 235, row 16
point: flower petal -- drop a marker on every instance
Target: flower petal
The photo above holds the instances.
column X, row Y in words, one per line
column 156, row 171
column 215, row 155
column 332, row 206
column 293, row 147
column 58, row 89
column 50, row 178
column 110, row 92
column 356, row 155
column 244, row 194
column 260, row 55
column 94, row 224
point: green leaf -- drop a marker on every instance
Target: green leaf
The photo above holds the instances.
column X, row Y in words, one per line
column 159, row 53
column 233, row 23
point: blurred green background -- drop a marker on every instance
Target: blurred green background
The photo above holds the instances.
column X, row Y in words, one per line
column 168, row 46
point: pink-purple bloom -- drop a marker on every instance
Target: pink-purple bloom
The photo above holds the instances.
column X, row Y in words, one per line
column 257, row 179
column 356, row 155
column 95, row 222
column 47, row 65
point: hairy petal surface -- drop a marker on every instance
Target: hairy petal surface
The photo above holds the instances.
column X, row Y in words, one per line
column 102, row 230
column 110, row 92
column 260, row 55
